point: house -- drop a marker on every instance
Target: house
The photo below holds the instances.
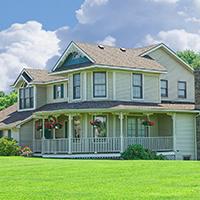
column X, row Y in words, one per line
column 97, row 100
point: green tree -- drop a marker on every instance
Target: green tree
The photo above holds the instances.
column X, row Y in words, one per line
column 7, row 100
column 190, row 57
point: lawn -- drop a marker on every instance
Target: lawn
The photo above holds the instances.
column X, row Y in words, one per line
column 36, row 178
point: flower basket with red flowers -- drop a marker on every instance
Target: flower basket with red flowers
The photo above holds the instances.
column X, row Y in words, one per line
column 26, row 151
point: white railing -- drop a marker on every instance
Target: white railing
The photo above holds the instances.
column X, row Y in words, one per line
column 55, row 146
column 153, row 143
column 101, row 144
column 37, row 145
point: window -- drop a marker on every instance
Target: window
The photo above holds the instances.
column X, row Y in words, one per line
column 76, row 86
column 58, row 91
column 26, row 98
column 101, row 129
column 137, row 86
column 164, row 88
column 182, row 89
column 9, row 134
column 135, row 127
column 99, row 84
column 1, row 133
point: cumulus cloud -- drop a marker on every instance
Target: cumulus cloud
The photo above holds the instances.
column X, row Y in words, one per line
column 88, row 12
column 24, row 45
column 179, row 39
column 108, row 40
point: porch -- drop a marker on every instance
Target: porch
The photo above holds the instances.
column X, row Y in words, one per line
column 78, row 136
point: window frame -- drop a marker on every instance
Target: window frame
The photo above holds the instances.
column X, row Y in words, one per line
column 185, row 90
column 23, row 99
column 76, row 86
column 61, row 92
column 138, row 86
column 166, row 89
column 99, row 84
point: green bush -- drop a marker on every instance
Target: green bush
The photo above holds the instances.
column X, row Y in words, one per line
column 138, row 152
column 9, row 147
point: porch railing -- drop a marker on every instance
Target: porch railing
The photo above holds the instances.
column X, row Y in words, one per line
column 101, row 145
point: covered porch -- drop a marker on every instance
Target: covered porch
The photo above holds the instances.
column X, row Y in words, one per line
column 78, row 134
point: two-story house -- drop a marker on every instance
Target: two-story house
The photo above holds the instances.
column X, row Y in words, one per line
column 97, row 100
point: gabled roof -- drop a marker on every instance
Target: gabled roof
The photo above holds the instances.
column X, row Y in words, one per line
column 115, row 56
column 170, row 51
column 37, row 76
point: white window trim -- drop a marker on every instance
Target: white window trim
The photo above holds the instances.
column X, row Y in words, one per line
column 81, row 86
column 34, row 100
column 137, row 99
column 92, row 87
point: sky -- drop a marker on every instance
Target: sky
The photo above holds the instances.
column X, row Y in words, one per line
column 34, row 33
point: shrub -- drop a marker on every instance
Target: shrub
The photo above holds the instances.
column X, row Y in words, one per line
column 9, row 147
column 26, row 151
column 138, row 152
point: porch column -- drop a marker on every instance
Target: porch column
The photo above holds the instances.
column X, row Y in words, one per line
column 33, row 148
column 174, row 131
column 70, row 133
column 43, row 134
column 121, row 132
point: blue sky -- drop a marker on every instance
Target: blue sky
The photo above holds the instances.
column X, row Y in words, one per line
column 34, row 33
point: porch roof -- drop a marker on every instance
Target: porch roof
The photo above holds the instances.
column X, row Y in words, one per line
column 106, row 106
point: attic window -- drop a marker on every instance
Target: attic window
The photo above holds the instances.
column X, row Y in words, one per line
column 101, row 46
column 123, row 49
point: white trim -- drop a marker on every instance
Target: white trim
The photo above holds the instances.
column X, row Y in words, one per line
column 109, row 67
column 20, row 75
column 92, row 87
column 34, row 100
column 61, row 59
column 171, row 52
column 174, row 131
column 49, row 82
column 81, row 86
column 84, row 86
column 114, row 126
column 114, row 85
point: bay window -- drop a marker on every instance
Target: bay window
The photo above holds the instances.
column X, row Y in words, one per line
column 26, row 98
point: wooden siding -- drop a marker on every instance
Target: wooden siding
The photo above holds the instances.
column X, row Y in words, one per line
column 49, row 93
column 41, row 97
column 185, row 135
column 175, row 72
column 26, row 134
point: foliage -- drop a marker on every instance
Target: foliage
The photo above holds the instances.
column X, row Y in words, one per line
column 7, row 100
column 190, row 57
column 138, row 152
column 26, row 151
column 9, row 147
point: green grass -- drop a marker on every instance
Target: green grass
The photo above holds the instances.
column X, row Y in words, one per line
column 36, row 178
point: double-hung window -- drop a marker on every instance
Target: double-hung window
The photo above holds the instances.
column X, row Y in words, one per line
column 182, row 89
column 164, row 88
column 137, row 86
column 26, row 98
column 99, row 84
column 76, row 86
column 58, row 91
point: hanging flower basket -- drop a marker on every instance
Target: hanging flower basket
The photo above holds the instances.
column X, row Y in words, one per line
column 148, row 123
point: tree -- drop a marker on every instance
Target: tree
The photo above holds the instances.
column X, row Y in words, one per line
column 190, row 57
column 7, row 100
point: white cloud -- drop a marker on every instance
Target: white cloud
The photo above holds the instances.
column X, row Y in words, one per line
column 109, row 40
column 193, row 20
column 196, row 3
column 88, row 11
column 24, row 45
column 179, row 39
column 165, row 1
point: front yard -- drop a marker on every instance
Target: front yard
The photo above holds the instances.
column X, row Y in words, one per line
column 36, row 178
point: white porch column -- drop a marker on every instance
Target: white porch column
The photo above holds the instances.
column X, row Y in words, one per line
column 121, row 132
column 174, row 131
column 43, row 134
column 70, row 133
column 33, row 148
